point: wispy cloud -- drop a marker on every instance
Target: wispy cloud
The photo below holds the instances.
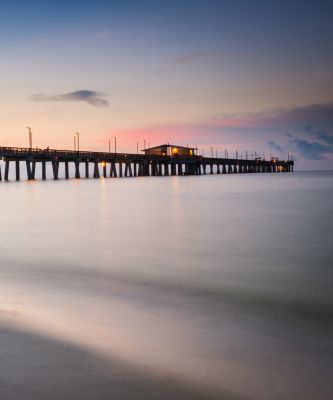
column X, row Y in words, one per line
column 191, row 57
column 320, row 114
column 319, row 134
column 320, row 145
column 91, row 97
column 275, row 146
column 309, row 150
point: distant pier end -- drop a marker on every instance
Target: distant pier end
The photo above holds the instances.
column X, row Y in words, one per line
column 161, row 160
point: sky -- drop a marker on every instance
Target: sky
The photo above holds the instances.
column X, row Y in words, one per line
column 252, row 76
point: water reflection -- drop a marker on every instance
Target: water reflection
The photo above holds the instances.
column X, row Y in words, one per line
column 193, row 277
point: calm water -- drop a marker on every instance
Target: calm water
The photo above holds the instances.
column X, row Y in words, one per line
column 223, row 283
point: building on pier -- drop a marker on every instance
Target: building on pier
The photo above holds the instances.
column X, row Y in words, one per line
column 171, row 150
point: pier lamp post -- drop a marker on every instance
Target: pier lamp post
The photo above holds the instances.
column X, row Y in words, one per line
column 77, row 139
column 109, row 146
column 137, row 147
column 115, row 144
column 212, row 151
column 144, row 144
column 30, row 137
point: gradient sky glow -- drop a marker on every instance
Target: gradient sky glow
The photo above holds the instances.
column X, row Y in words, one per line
column 246, row 75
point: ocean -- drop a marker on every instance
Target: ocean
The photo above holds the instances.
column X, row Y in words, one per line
column 190, row 287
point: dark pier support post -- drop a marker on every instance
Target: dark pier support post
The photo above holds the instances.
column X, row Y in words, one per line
column 113, row 170
column 224, row 169
column 87, row 169
column 6, row 170
column 211, row 169
column 55, row 167
column 166, row 169
column 17, row 168
column 235, row 169
column 66, row 170
column 135, row 171
column 218, row 169
column 33, row 170
column 130, row 170
column 157, row 169
column 153, row 169
column 104, row 169
column 77, row 169
column 146, row 169
column 240, row 168
column 29, row 174
column 204, row 169
column 173, row 169
column 0, row 174
column 120, row 169
column 43, row 170
column 140, row 169
column 180, row 169
column 96, row 170
column 229, row 169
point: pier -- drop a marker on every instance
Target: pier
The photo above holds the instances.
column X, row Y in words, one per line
column 89, row 164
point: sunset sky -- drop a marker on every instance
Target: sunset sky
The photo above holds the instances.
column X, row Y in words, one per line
column 245, row 75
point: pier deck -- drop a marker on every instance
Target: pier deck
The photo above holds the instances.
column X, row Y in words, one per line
column 125, row 164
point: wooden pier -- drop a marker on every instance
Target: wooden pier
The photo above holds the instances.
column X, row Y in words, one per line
column 97, row 164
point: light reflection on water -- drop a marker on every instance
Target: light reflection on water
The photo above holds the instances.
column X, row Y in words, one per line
column 216, row 279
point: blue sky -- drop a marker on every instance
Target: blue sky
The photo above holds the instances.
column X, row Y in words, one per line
column 236, row 74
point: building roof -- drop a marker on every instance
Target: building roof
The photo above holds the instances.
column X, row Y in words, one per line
column 170, row 145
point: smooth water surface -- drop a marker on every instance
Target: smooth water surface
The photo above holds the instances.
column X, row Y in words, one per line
column 223, row 284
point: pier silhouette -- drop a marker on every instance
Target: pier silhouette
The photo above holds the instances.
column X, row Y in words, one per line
column 109, row 164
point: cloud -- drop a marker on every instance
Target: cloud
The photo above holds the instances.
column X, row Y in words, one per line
column 275, row 146
column 319, row 134
column 319, row 114
column 91, row 97
column 191, row 57
column 310, row 150
column 313, row 150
